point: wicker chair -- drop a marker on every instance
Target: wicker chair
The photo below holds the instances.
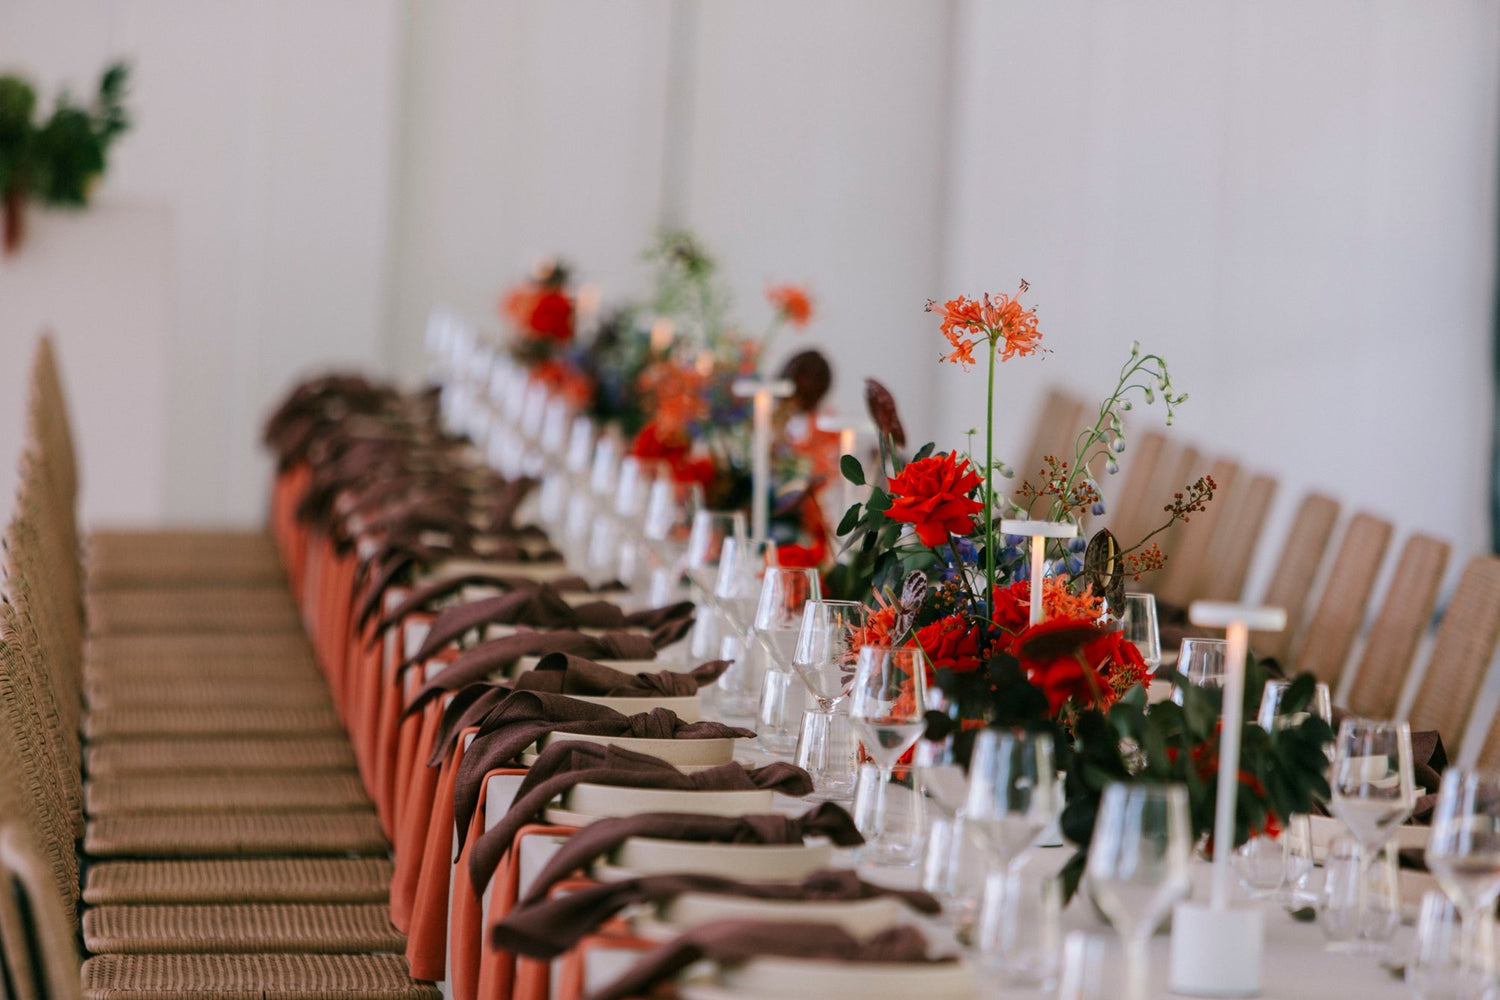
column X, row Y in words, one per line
column 1462, row 651
column 1296, row 568
column 1233, row 545
column 1340, row 612
column 1404, row 617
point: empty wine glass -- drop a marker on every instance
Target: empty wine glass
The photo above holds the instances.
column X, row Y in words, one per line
column 1138, row 865
column 887, row 706
column 1012, row 794
column 1138, row 620
column 705, row 543
column 1463, row 853
column 785, row 593
column 825, row 653
column 1273, row 711
column 824, row 659
column 1373, row 789
column 1441, row 965
column 1201, row 662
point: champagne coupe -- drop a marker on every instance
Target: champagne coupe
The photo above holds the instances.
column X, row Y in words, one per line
column 1463, row 853
column 1138, row 865
column 1372, row 785
column 1138, row 620
column 1012, row 794
column 887, row 706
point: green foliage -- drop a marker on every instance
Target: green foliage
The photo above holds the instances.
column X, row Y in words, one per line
column 1282, row 772
column 57, row 159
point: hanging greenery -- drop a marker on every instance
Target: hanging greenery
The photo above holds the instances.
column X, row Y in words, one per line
column 56, row 159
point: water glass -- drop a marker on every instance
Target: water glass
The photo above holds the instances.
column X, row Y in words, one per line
column 1441, row 966
column 1020, row 929
column 783, row 698
column 706, row 542
column 955, row 865
column 1138, row 621
column 737, row 691
column 1090, row 968
column 825, row 652
column 828, row 751
column 1360, row 907
column 890, row 811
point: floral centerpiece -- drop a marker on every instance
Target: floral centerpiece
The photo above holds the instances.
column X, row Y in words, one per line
column 543, row 316
column 927, row 549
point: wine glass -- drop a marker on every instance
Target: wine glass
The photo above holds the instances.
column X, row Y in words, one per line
column 1273, row 712
column 887, row 706
column 1201, row 662
column 736, row 592
column 1373, row 788
column 1012, row 794
column 705, row 544
column 1463, row 853
column 706, row 541
column 1138, row 620
column 784, row 596
column 824, row 655
column 1138, row 865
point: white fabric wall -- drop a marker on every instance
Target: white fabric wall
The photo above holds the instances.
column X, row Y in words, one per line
column 1294, row 202
column 265, row 132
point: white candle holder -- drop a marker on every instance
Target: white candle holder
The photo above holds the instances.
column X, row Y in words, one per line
column 761, row 393
column 1217, row 949
column 1039, row 532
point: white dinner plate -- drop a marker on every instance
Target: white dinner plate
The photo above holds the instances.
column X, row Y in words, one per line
column 748, row 862
column 705, row 753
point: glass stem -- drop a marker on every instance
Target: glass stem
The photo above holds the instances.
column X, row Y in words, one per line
column 1470, row 922
column 886, row 772
column 1136, row 947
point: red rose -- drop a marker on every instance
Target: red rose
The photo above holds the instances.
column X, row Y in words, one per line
column 933, row 494
column 1055, row 656
column 551, row 316
column 802, row 556
column 1074, row 658
column 1011, row 611
column 951, row 643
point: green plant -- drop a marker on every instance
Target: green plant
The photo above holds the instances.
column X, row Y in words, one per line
column 55, row 160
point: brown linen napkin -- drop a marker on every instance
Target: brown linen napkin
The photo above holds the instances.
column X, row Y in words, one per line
column 602, row 837
column 488, row 658
column 548, row 927
column 567, row 763
column 429, row 594
column 540, row 607
column 732, row 942
column 560, row 673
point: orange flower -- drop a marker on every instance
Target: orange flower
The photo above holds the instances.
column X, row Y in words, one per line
column 792, row 303
column 675, row 393
column 996, row 319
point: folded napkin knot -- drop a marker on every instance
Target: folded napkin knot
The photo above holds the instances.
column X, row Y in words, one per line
column 564, row 764
column 732, row 942
column 545, row 928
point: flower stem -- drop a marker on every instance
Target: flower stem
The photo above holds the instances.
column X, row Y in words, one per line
column 989, row 489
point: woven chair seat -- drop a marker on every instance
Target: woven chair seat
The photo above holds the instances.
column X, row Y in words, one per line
column 119, row 559
column 249, row 880
column 202, row 691
column 224, row 793
column 130, row 722
column 327, row 928
column 217, row 835
column 298, row 669
column 143, row 649
column 252, row 977
column 198, row 609
column 242, row 756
